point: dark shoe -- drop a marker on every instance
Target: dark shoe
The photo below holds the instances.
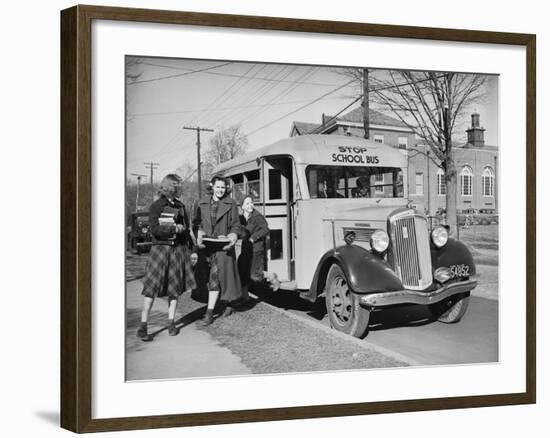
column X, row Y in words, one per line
column 227, row 311
column 173, row 330
column 142, row 332
column 207, row 319
column 244, row 304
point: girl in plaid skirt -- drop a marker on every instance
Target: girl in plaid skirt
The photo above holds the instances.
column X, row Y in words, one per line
column 168, row 271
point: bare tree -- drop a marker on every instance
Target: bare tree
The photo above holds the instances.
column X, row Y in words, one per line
column 431, row 104
column 225, row 144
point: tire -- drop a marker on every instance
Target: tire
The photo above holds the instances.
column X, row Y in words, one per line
column 451, row 310
column 344, row 311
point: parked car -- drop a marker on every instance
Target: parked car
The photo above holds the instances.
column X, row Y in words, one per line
column 140, row 234
column 488, row 216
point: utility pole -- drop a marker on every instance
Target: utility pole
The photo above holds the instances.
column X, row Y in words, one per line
column 139, row 176
column 198, row 129
column 152, row 166
column 366, row 121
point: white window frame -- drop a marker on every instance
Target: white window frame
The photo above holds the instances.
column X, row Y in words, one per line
column 441, row 185
column 403, row 141
column 378, row 178
column 467, row 174
column 488, row 181
column 378, row 138
column 421, row 185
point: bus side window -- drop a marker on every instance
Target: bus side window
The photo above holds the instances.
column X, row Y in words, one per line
column 253, row 185
column 276, row 244
column 238, row 187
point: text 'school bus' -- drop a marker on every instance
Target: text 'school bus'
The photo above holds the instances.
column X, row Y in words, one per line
column 340, row 225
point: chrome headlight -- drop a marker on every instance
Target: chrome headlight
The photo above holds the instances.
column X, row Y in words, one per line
column 144, row 230
column 440, row 235
column 379, row 241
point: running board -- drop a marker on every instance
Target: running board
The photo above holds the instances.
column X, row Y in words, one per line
column 288, row 285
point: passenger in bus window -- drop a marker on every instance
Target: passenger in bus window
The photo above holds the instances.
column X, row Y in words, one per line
column 168, row 272
column 322, row 189
column 217, row 216
column 252, row 260
column 363, row 188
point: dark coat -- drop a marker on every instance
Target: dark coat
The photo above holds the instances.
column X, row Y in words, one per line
column 166, row 234
column 227, row 221
column 255, row 230
column 252, row 260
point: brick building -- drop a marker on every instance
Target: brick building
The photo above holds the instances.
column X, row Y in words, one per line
column 476, row 162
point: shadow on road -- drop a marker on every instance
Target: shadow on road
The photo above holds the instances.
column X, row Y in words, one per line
column 383, row 319
column 290, row 300
column 400, row 316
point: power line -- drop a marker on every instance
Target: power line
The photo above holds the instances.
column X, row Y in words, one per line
column 320, row 84
column 227, row 108
column 338, row 113
column 228, row 89
column 162, row 78
column 302, row 107
column 291, row 87
column 259, row 92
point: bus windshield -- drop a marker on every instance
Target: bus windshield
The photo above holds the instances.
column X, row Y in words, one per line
column 354, row 182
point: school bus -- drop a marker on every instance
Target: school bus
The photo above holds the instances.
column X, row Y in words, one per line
column 341, row 225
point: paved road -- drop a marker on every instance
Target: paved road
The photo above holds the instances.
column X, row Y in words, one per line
column 411, row 330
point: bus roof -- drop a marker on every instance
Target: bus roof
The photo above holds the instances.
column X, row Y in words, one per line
column 325, row 149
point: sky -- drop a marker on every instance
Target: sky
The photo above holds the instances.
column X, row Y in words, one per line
column 164, row 94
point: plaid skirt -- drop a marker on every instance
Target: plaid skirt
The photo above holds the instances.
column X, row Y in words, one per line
column 213, row 276
column 168, row 272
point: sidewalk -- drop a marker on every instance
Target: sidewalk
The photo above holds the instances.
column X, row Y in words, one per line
column 193, row 353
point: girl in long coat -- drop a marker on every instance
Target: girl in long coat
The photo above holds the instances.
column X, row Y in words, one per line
column 252, row 260
column 217, row 216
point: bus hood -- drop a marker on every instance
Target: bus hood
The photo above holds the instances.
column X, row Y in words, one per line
column 376, row 210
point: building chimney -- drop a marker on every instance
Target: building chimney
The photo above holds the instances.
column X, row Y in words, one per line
column 476, row 133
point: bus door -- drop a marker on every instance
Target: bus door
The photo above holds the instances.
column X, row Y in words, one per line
column 277, row 184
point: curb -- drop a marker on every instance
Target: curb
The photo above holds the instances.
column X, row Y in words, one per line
column 356, row 341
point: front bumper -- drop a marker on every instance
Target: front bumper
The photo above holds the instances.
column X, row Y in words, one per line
column 407, row 296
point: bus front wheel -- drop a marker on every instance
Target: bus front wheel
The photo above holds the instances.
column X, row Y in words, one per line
column 344, row 311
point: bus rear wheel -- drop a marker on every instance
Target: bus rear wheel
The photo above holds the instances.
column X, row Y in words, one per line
column 344, row 310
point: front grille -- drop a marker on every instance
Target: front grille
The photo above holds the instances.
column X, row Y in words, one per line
column 410, row 250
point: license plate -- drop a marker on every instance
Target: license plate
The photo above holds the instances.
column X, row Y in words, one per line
column 460, row 271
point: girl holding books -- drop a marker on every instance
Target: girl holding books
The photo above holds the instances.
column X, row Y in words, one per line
column 168, row 271
column 217, row 216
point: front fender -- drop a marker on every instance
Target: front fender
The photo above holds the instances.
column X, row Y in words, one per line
column 453, row 253
column 366, row 272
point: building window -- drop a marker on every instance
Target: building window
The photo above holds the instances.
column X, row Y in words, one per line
column 378, row 138
column 379, row 183
column 419, row 183
column 402, row 142
column 441, row 186
column 466, row 177
column 488, row 182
